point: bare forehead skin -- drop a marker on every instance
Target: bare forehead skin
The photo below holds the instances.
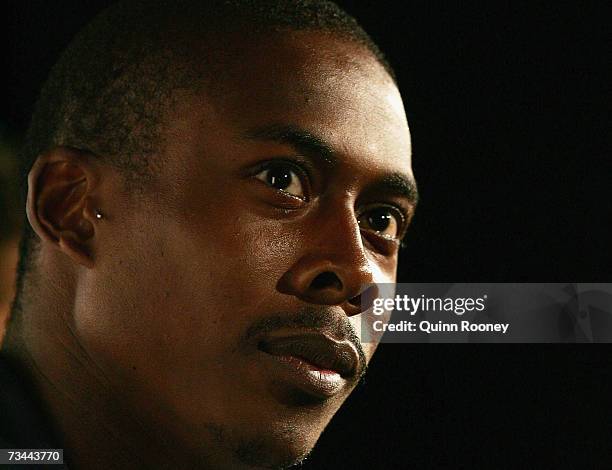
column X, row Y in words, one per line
column 327, row 85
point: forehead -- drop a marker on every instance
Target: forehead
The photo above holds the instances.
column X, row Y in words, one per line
column 330, row 87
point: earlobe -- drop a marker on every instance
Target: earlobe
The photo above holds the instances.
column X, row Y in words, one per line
column 61, row 185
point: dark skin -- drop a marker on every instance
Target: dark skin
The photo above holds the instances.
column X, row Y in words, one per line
column 150, row 361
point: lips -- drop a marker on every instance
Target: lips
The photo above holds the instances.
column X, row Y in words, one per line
column 318, row 350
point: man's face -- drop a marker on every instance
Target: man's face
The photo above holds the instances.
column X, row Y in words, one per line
column 277, row 203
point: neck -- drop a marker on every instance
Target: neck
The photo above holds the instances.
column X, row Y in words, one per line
column 94, row 422
column 96, row 428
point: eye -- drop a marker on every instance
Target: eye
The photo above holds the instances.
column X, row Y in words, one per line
column 284, row 177
column 386, row 221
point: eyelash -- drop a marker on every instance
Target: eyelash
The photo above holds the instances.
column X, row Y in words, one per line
column 301, row 167
column 402, row 217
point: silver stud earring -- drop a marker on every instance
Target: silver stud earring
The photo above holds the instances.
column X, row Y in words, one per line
column 99, row 214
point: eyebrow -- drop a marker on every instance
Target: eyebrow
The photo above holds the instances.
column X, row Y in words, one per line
column 395, row 183
column 300, row 139
column 399, row 185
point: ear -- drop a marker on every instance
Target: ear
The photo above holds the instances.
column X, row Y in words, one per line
column 60, row 207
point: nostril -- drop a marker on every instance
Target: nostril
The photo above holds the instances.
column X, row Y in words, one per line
column 356, row 301
column 326, row 280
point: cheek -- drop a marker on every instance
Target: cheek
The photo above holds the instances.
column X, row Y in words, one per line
column 237, row 263
column 188, row 272
column 172, row 302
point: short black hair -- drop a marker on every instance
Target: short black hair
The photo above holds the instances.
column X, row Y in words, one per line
column 108, row 91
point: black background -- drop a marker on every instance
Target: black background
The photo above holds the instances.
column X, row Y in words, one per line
column 509, row 107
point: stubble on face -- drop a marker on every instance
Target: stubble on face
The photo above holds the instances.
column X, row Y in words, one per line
column 207, row 254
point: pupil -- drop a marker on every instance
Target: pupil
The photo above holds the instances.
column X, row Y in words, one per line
column 279, row 178
column 379, row 220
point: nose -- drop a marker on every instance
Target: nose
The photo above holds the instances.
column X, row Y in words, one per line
column 333, row 268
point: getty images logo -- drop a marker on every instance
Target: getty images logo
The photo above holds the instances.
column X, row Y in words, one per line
column 414, row 305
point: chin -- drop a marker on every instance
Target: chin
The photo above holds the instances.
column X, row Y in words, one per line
column 273, row 455
column 275, row 446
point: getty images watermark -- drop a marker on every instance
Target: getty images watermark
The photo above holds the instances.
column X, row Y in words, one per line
column 411, row 306
column 481, row 312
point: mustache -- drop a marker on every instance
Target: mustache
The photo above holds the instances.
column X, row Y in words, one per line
column 321, row 319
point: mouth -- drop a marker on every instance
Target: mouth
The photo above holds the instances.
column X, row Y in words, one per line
column 315, row 363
